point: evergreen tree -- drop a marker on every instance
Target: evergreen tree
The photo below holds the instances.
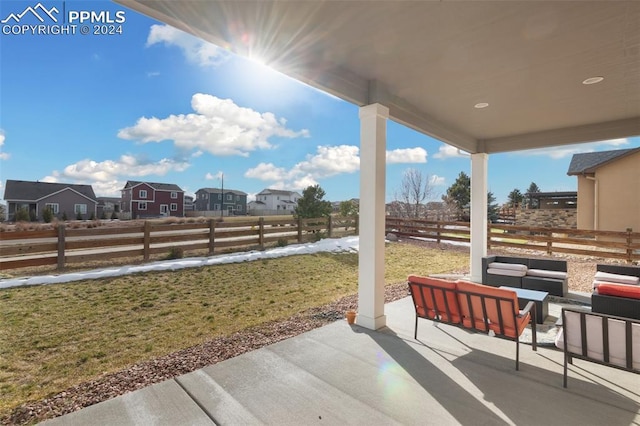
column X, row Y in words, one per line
column 459, row 194
column 493, row 211
column 311, row 204
column 532, row 203
column 515, row 198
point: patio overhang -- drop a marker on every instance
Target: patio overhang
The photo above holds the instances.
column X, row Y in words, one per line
column 434, row 64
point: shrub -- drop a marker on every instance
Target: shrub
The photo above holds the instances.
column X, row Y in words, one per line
column 175, row 253
column 78, row 216
column 47, row 214
column 317, row 236
column 64, row 216
column 92, row 217
column 114, row 216
column 282, row 242
column 22, row 215
column 32, row 216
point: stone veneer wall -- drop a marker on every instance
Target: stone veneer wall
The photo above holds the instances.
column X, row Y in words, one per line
column 548, row 218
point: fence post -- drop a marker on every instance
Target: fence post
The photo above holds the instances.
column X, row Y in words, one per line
column 147, row 240
column 261, row 232
column 212, row 236
column 61, row 244
column 299, row 229
column 438, row 233
column 549, row 243
column 629, row 241
column 329, row 226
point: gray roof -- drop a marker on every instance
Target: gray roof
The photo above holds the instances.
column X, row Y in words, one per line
column 23, row 190
column 218, row 190
column 590, row 161
column 154, row 185
column 276, row 192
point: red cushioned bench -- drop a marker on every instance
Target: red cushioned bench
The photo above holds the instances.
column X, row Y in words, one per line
column 472, row 306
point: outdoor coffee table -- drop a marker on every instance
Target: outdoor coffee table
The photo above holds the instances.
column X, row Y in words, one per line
column 540, row 298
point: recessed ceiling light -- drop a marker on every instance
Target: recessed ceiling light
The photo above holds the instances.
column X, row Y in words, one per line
column 593, row 80
column 481, row 105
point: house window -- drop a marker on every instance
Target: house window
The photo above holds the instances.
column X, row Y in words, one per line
column 80, row 208
column 219, row 196
column 239, row 208
column 143, row 193
column 174, row 195
column 237, row 198
column 174, row 207
column 216, row 206
column 142, row 205
column 55, row 207
column 229, row 197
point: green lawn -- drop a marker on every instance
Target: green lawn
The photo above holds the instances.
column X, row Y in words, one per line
column 56, row 336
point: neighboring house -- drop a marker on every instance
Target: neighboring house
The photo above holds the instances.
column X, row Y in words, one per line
column 608, row 189
column 274, row 201
column 107, row 206
column 553, row 200
column 150, row 199
column 64, row 199
column 230, row 201
column 189, row 206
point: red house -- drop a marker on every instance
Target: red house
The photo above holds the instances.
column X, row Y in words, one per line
column 150, row 199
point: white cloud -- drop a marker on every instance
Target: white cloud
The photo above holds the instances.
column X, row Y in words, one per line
column 449, row 151
column 3, row 155
column 196, row 51
column 106, row 177
column 568, row 150
column 330, row 161
column 209, row 176
column 267, row 172
column 436, row 180
column 326, row 162
column 408, row 155
column 126, row 165
column 219, row 127
column 153, row 74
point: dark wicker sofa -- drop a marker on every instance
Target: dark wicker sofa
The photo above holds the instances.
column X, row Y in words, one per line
column 616, row 305
column 553, row 286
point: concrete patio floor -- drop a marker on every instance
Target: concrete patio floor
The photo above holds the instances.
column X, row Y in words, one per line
column 340, row 374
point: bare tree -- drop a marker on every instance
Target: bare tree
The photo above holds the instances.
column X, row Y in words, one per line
column 414, row 190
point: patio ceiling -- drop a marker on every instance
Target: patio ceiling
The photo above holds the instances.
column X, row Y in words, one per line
column 431, row 62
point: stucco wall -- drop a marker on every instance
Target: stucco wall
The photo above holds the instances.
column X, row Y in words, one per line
column 618, row 194
column 586, row 191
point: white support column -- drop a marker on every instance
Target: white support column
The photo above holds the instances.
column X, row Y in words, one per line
column 478, row 214
column 373, row 141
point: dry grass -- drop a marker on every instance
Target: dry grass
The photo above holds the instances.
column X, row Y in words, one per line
column 53, row 337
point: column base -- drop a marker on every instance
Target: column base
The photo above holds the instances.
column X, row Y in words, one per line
column 371, row 323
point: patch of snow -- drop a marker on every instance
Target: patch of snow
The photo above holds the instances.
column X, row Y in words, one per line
column 337, row 245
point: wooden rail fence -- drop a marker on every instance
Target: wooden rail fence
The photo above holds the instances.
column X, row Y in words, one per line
column 624, row 245
column 65, row 245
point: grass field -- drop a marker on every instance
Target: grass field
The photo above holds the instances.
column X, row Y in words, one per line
column 56, row 336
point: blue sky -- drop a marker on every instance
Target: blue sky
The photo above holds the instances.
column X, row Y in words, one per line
column 155, row 104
